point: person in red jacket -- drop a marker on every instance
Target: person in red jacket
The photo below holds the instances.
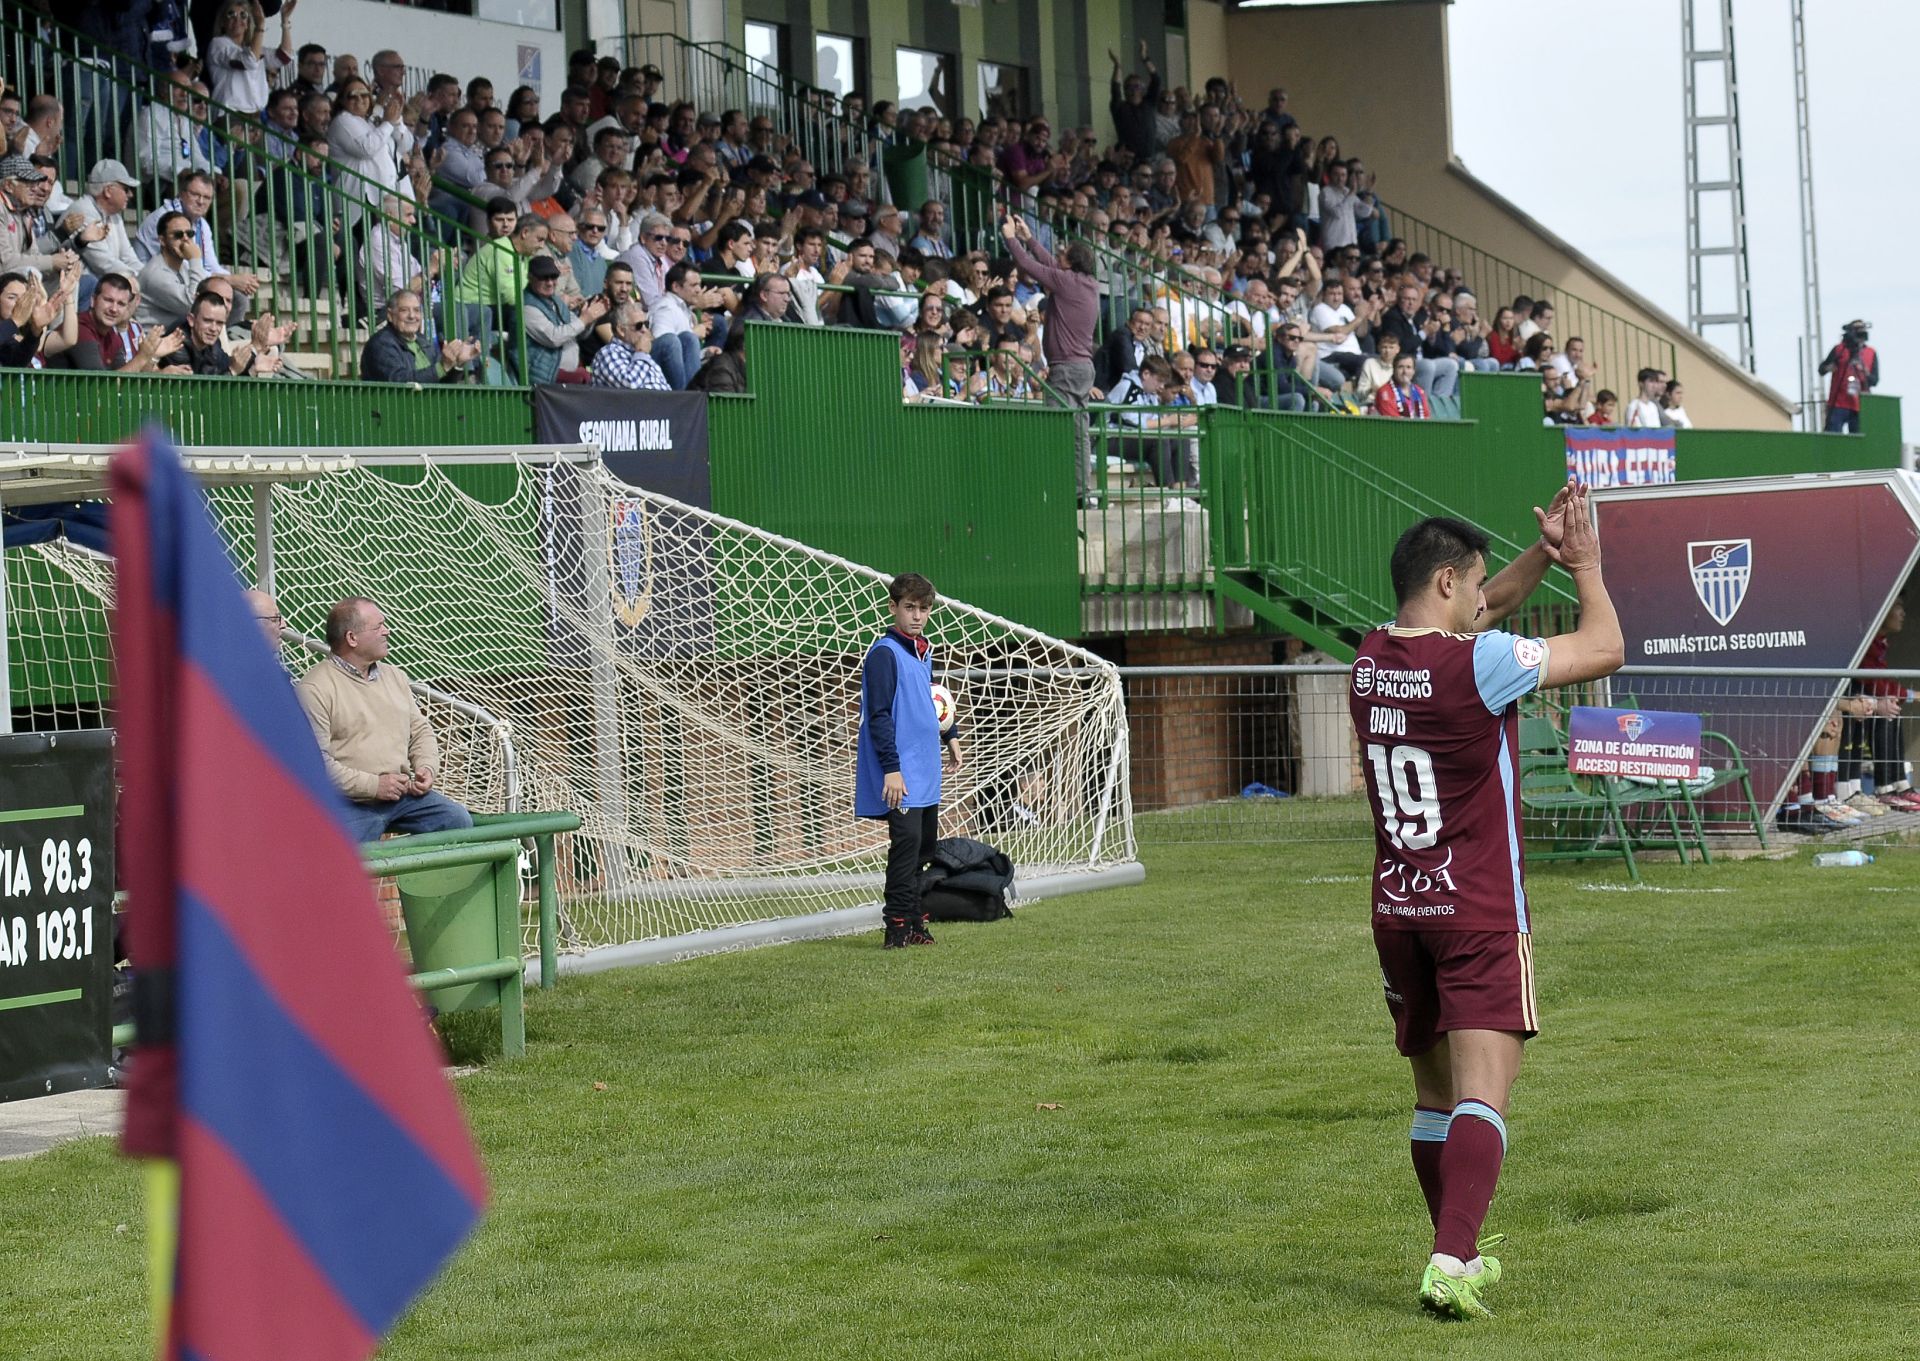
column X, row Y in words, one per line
column 1856, row 371
column 1403, row 398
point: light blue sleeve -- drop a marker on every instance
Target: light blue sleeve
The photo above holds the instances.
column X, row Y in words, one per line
column 1507, row 666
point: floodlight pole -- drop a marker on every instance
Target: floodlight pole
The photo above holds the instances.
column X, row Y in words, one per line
column 1727, row 192
column 1810, row 414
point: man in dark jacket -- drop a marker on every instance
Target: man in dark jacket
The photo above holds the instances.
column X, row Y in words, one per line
column 401, row 352
column 1125, row 347
column 1132, row 106
column 1421, row 336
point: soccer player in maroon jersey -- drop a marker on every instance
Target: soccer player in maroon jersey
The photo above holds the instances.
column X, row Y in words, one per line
column 1433, row 699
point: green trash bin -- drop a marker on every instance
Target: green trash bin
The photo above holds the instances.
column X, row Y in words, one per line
column 452, row 921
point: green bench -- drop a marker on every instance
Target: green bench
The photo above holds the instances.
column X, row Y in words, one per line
column 1588, row 818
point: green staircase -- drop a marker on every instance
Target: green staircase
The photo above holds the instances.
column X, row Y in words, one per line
column 1303, row 527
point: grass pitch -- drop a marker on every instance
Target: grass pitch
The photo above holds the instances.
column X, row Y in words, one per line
column 1159, row 1122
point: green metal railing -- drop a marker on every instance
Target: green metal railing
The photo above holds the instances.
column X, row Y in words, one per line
column 717, row 76
column 1143, row 523
column 1312, row 521
column 1617, row 348
column 47, row 406
column 327, row 243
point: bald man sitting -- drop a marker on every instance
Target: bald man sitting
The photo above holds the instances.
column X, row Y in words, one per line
column 266, row 611
column 379, row 748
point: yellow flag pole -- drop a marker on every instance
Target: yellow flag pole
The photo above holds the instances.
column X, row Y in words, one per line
column 163, row 1229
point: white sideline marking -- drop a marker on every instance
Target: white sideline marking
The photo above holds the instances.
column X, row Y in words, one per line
column 1335, row 879
column 1645, row 888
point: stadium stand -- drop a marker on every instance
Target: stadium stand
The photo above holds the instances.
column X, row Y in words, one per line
column 322, row 199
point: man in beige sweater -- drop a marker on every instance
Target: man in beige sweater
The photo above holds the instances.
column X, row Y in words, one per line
column 378, row 746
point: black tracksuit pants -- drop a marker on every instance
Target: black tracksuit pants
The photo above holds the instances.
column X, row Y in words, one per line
column 911, row 833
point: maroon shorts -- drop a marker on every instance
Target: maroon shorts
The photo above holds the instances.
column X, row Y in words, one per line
column 1439, row 981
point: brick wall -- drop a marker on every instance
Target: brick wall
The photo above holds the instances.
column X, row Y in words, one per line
column 1202, row 737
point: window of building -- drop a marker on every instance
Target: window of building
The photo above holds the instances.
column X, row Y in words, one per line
column 835, row 66
column 766, row 47
column 526, row 13
column 924, row 78
column 763, row 44
column 606, row 24
column 1002, row 91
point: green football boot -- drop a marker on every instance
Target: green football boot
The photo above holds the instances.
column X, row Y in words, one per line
column 1459, row 1296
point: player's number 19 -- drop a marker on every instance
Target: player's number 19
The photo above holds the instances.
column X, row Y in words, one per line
column 1409, row 803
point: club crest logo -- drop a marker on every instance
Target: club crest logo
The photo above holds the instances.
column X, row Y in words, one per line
column 1633, row 725
column 1720, row 569
column 630, row 560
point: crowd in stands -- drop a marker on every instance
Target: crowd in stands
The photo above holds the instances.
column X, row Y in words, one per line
column 625, row 238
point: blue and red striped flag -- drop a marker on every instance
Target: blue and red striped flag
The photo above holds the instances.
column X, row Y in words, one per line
column 325, row 1170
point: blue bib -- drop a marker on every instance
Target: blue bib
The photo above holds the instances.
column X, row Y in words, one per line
column 916, row 736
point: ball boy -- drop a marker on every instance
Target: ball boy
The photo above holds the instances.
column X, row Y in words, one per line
column 897, row 766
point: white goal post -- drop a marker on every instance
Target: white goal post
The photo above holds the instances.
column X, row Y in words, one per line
column 687, row 684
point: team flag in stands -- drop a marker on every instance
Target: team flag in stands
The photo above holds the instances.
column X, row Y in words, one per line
column 324, row 1171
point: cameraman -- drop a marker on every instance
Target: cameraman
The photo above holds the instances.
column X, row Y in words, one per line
column 1856, row 370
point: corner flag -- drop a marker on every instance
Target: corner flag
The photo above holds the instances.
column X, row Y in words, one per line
column 325, row 1172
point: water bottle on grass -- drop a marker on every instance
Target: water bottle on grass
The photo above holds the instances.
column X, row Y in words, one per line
column 1828, row 859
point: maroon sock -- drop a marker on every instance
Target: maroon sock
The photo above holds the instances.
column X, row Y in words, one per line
column 1429, row 1137
column 1826, row 776
column 1469, row 1169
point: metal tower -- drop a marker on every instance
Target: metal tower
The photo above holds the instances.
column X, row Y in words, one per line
column 1810, row 388
column 1714, row 183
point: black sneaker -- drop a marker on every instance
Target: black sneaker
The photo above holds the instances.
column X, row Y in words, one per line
column 917, row 934
column 898, row 934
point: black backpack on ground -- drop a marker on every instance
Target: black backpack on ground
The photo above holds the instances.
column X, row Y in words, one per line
column 966, row 881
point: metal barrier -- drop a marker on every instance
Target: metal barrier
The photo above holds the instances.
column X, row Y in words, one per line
column 1617, row 348
column 1144, row 521
column 717, row 76
column 49, row 407
column 1269, row 754
column 327, row 244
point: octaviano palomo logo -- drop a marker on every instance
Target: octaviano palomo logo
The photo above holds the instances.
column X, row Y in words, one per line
column 1721, row 569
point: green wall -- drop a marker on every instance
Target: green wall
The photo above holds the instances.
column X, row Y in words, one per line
column 977, row 498
column 981, row 499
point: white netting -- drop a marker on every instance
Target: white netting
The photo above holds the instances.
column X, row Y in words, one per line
column 686, row 684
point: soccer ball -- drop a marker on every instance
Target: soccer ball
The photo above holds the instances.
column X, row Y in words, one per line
column 944, row 710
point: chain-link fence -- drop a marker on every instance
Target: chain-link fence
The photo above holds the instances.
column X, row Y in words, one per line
column 1269, row 753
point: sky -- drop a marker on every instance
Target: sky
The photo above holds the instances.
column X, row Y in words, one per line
column 1607, row 75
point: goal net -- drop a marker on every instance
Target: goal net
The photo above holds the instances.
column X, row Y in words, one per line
column 687, row 684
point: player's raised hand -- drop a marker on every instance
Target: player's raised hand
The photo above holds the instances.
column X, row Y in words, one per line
column 1553, row 520
column 1579, row 545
